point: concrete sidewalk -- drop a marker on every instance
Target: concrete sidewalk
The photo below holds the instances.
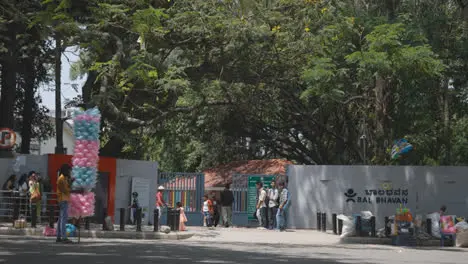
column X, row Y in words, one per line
column 97, row 232
column 265, row 237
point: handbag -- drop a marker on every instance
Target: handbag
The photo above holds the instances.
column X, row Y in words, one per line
column 36, row 195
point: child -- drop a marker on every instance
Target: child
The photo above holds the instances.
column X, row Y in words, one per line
column 208, row 210
column 183, row 218
column 135, row 205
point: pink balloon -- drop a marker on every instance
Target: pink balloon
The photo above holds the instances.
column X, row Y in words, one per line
column 81, row 204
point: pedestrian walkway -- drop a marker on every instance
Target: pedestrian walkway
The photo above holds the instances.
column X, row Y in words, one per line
column 96, row 231
column 255, row 236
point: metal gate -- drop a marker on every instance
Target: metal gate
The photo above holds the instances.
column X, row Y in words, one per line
column 239, row 188
column 187, row 188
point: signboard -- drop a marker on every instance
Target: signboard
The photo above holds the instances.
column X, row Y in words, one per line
column 142, row 187
column 252, row 192
column 384, row 195
column 7, row 138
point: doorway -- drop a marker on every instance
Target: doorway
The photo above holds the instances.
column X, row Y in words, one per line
column 101, row 191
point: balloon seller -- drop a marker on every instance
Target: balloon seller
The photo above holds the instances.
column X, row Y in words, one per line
column 85, row 162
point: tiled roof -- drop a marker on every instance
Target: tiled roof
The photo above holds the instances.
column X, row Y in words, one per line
column 222, row 174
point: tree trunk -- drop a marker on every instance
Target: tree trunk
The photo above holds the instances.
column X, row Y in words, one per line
column 29, row 90
column 58, row 93
column 446, row 118
column 8, row 84
column 87, row 88
column 380, row 119
column 113, row 147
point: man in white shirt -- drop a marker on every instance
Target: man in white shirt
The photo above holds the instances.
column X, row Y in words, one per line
column 261, row 205
column 273, row 205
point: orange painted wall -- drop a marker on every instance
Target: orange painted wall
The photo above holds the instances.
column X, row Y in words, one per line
column 106, row 164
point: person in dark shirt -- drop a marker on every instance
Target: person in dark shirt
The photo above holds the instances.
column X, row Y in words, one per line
column 8, row 188
column 135, row 205
column 227, row 199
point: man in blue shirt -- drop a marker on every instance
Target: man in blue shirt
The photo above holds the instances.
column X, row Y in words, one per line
column 284, row 203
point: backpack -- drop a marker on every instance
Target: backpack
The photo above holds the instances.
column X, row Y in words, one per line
column 267, row 197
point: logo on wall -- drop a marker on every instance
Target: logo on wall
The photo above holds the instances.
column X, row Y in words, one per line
column 7, row 138
column 385, row 195
column 350, row 194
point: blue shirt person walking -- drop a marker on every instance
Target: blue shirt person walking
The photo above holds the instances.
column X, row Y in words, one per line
column 284, row 203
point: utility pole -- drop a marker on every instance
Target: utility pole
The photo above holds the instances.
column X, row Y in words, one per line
column 58, row 93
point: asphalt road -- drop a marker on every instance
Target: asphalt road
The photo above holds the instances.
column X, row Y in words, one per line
column 18, row 250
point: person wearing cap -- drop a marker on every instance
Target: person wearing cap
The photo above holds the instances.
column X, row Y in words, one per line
column 160, row 201
column 134, row 207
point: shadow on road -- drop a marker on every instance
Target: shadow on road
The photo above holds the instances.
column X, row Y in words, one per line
column 46, row 251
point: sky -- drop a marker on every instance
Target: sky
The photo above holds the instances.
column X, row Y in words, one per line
column 47, row 92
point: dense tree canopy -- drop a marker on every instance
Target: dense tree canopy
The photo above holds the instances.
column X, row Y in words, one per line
column 195, row 83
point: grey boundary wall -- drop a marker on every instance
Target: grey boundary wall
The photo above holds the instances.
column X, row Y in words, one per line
column 126, row 169
column 379, row 189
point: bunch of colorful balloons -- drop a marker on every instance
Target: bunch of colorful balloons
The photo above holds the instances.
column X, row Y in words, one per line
column 81, row 204
column 85, row 162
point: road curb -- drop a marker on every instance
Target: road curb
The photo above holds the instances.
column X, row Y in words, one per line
column 385, row 241
column 99, row 234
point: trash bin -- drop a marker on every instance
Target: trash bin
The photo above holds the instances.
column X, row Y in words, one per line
column 173, row 217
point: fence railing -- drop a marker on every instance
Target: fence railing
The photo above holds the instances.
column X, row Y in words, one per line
column 12, row 202
column 187, row 188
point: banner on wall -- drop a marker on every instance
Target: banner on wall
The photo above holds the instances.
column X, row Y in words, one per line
column 252, row 192
column 142, row 187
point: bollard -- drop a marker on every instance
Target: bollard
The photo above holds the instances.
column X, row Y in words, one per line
column 319, row 221
column 156, row 220
column 104, row 215
column 138, row 219
column 340, row 227
column 335, row 231
column 86, row 223
column 122, row 219
column 372, row 224
column 429, row 226
column 176, row 219
column 324, row 222
column 388, row 229
column 358, row 225
column 51, row 215
column 33, row 216
column 169, row 217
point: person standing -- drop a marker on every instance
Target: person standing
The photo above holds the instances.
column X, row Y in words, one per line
column 261, row 205
column 63, row 197
column 183, row 218
column 284, row 203
column 9, row 185
column 227, row 199
column 208, row 211
column 35, row 195
column 134, row 207
column 8, row 188
column 160, row 203
column 23, row 194
column 273, row 205
column 216, row 210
